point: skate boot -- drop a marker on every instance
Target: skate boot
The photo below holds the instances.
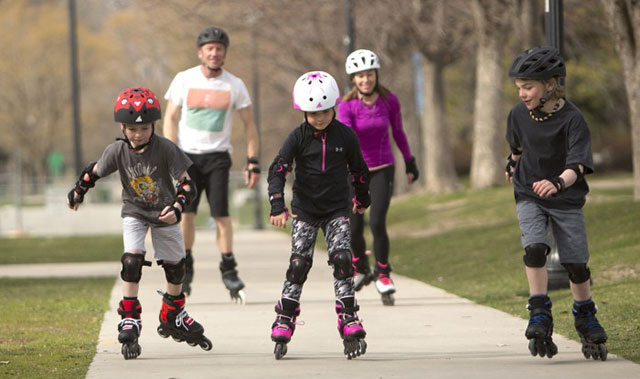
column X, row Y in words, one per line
column 129, row 327
column 282, row 329
column 540, row 327
column 384, row 284
column 592, row 335
column 230, row 279
column 188, row 273
column 362, row 275
column 350, row 327
column 175, row 322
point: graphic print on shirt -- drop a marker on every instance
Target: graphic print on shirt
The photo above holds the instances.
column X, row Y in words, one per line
column 146, row 189
column 207, row 109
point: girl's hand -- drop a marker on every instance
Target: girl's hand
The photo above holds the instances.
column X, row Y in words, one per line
column 281, row 219
column 359, row 210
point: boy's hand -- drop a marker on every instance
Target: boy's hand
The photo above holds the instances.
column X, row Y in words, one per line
column 168, row 215
column 76, row 200
column 544, row 188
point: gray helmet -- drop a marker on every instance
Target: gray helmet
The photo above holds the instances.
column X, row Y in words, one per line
column 538, row 63
column 213, row 34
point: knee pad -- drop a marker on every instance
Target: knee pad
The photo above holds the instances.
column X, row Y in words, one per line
column 342, row 266
column 132, row 267
column 174, row 272
column 299, row 267
column 535, row 255
column 578, row 272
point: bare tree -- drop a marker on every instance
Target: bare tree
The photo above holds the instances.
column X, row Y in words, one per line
column 492, row 19
column 438, row 30
column 529, row 22
column 624, row 21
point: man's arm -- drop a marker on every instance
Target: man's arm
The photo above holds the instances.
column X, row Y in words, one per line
column 170, row 122
column 253, row 146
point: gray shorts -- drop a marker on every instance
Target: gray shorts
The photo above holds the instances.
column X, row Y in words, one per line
column 568, row 227
column 167, row 240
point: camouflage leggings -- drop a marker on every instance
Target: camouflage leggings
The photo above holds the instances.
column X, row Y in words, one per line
column 303, row 240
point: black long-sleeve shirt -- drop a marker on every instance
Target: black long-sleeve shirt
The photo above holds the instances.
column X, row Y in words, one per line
column 323, row 160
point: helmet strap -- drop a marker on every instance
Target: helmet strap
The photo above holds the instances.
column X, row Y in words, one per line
column 139, row 148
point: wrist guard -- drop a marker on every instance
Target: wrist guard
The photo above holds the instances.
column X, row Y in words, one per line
column 412, row 168
column 83, row 184
column 558, row 182
column 511, row 165
column 362, row 201
column 255, row 169
column 185, row 196
column 277, row 205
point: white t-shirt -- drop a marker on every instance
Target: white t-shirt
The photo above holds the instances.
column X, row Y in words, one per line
column 207, row 109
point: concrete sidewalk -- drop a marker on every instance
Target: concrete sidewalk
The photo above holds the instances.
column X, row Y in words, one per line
column 428, row 334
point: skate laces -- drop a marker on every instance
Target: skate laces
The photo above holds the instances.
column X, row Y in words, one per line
column 292, row 320
column 129, row 323
column 384, row 279
column 183, row 319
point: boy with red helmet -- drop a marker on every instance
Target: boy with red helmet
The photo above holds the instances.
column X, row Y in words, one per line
column 148, row 166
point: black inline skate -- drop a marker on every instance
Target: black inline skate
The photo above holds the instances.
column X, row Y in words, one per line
column 188, row 273
column 362, row 275
column 592, row 335
column 129, row 327
column 287, row 310
column 175, row 322
column 540, row 327
column 231, row 280
column 350, row 327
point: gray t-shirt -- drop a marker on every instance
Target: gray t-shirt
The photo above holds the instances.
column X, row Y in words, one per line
column 148, row 178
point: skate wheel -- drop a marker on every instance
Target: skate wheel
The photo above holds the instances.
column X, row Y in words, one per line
column 280, row 350
column 388, row 299
column 177, row 339
column 131, row 350
column 238, row 297
column 354, row 348
column 533, row 349
column 192, row 343
column 161, row 332
column 206, row 344
column 602, row 349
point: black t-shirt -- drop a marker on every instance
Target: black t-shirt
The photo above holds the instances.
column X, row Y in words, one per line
column 548, row 147
column 323, row 160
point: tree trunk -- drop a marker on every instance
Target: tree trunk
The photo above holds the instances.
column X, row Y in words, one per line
column 486, row 158
column 624, row 21
column 438, row 165
column 529, row 23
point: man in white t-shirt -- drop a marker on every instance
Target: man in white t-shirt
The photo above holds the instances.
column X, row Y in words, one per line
column 201, row 101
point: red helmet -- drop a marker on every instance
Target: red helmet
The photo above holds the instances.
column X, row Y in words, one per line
column 136, row 106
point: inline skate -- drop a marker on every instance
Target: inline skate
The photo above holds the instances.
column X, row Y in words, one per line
column 384, row 284
column 282, row 329
column 362, row 275
column 540, row 327
column 592, row 335
column 350, row 327
column 129, row 327
column 175, row 322
column 231, row 280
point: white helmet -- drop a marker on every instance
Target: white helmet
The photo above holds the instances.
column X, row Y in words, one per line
column 315, row 91
column 361, row 60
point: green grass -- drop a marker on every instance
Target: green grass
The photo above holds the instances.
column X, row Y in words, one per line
column 60, row 249
column 468, row 243
column 50, row 326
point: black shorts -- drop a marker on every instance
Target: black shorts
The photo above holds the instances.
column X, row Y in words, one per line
column 210, row 172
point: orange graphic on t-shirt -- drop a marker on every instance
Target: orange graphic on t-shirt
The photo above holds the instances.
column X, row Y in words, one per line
column 208, row 98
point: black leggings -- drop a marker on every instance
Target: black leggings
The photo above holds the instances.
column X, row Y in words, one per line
column 381, row 189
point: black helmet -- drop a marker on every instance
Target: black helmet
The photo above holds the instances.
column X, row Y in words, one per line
column 213, row 34
column 538, row 63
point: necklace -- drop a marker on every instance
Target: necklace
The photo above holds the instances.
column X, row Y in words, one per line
column 546, row 116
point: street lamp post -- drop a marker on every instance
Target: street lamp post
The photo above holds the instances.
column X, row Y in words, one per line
column 556, row 273
column 349, row 37
column 75, row 86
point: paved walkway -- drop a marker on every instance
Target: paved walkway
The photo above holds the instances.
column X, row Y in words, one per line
column 428, row 334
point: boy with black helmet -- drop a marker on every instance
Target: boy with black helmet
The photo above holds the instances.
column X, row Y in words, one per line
column 550, row 155
column 148, row 166
column 200, row 106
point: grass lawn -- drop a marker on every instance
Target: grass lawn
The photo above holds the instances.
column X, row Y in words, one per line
column 60, row 249
column 469, row 244
column 50, row 326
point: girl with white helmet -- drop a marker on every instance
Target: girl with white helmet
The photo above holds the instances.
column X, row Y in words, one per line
column 370, row 109
column 324, row 152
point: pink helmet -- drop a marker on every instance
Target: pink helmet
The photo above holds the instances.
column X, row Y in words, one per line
column 315, row 91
